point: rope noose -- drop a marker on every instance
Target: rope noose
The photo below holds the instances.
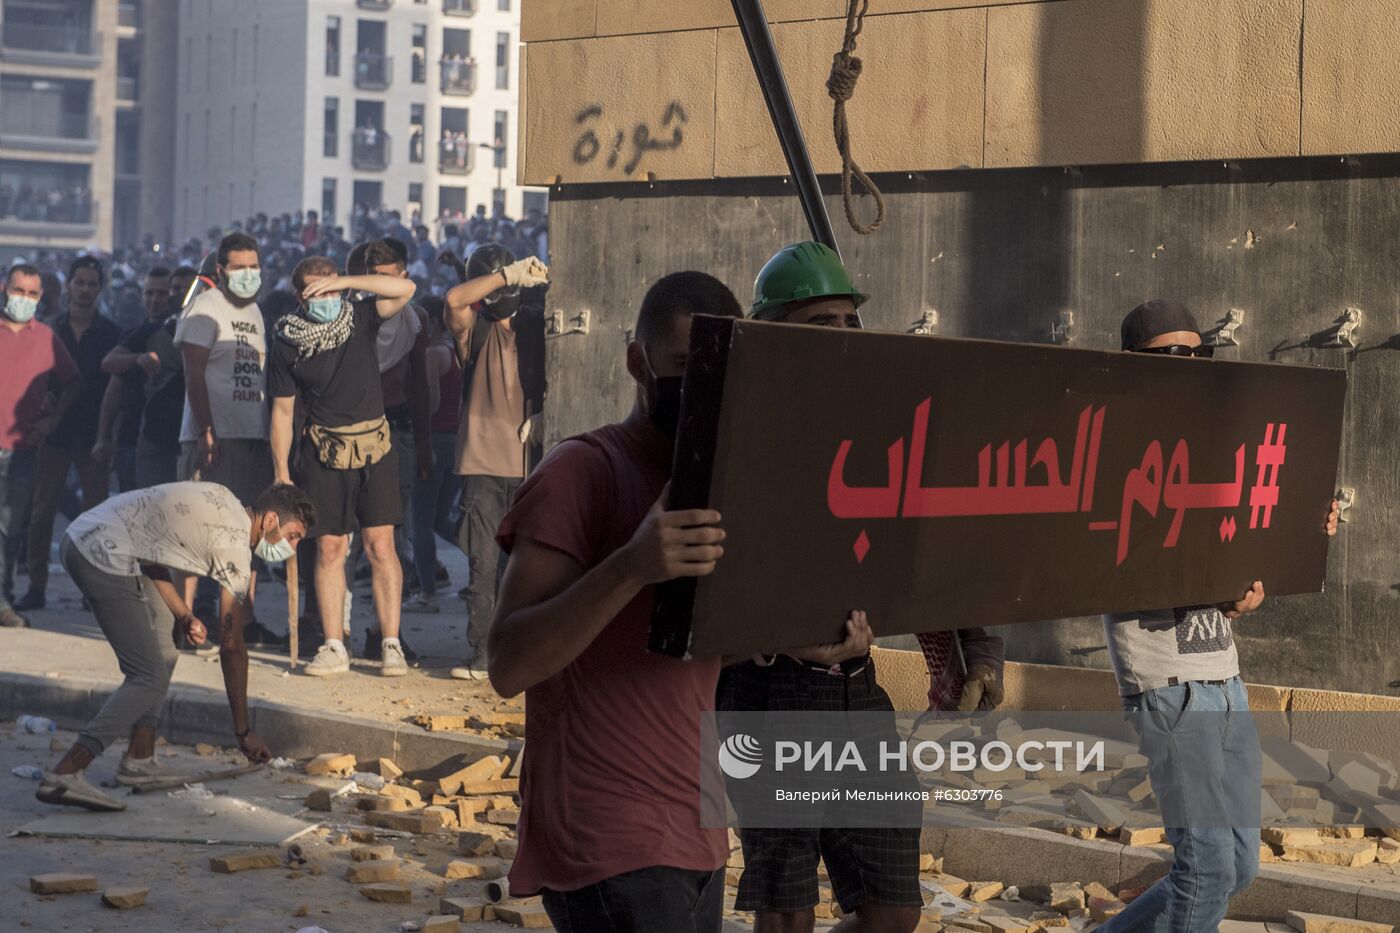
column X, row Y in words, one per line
column 841, row 85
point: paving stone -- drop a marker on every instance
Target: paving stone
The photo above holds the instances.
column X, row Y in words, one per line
column 373, row 871
column 483, row 869
column 125, row 898
column 62, row 883
column 331, row 763
column 475, row 844
column 982, row 891
column 1320, row 923
column 402, row 793
column 466, row 909
column 441, row 923
column 1109, row 816
column 529, row 914
column 247, row 860
column 372, row 853
column 1288, row 762
column 1350, row 853
column 1101, row 908
column 1389, row 852
column 1142, row 835
column 388, row 893
column 1066, row 897
column 1291, row 835
column 1048, row 919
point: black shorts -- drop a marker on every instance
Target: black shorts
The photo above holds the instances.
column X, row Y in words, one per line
column 348, row 500
column 878, row 865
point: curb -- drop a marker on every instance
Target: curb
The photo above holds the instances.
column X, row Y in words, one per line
column 190, row 716
column 982, row 850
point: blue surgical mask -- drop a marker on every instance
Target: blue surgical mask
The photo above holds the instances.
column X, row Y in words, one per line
column 245, row 282
column 274, row 553
column 323, row 309
column 20, row 308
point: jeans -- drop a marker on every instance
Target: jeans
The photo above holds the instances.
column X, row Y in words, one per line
column 485, row 500
column 402, row 440
column 16, row 487
column 431, row 512
column 643, row 901
column 1205, row 767
column 156, row 464
column 51, row 480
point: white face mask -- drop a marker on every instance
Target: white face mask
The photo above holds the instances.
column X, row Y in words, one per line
column 274, row 553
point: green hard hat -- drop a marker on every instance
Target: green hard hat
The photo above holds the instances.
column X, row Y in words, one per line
column 797, row 273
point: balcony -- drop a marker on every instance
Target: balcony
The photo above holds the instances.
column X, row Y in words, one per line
column 36, row 44
column 55, row 132
column 373, row 71
column 369, row 149
column 458, row 76
column 128, row 90
column 456, row 158
column 48, row 215
column 458, row 7
column 380, row 5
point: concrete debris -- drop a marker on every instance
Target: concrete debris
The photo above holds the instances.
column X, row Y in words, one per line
column 528, row 914
column 373, row 871
column 465, row 909
column 1049, row 918
column 476, row 844
column 1388, row 852
column 384, row 768
column 982, row 891
column 1066, row 897
column 388, row 893
column 125, row 898
column 331, row 763
column 483, row 869
column 1349, row 853
column 440, row 923
column 319, row 800
column 1320, row 923
column 246, row 861
column 62, row 883
column 372, row 853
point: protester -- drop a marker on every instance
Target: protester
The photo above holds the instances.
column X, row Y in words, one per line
column 1178, row 673
column 503, row 380
column 874, row 871
column 346, row 463
column 36, row 358
column 163, row 403
column 89, row 337
column 119, row 425
column 434, row 499
column 121, row 556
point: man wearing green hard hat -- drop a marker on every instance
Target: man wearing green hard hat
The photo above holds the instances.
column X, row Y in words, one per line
column 805, row 283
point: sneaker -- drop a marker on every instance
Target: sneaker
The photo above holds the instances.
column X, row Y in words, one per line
column 393, row 664
column 329, row 660
column 11, row 619
column 473, row 668
column 73, row 790
column 421, row 603
column 374, row 641
column 133, row 772
column 32, row 600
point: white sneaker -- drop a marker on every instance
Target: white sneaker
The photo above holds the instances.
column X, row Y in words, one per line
column 330, row 660
column 393, row 664
column 472, row 668
column 421, row 603
column 73, row 790
column 133, row 772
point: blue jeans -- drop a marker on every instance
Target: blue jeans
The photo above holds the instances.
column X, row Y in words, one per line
column 16, row 490
column 431, row 513
column 1205, row 767
column 647, row 900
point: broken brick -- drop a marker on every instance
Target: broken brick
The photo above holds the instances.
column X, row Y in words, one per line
column 319, row 799
column 954, row 885
column 388, row 893
column 481, row 770
column 125, row 898
column 1048, row 918
column 412, row 822
column 62, row 883
column 403, row 793
column 479, row 868
column 527, row 914
column 246, row 861
column 475, row 844
column 331, row 763
column 384, row 768
column 507, row 849
column 441, row 923
column 465, row 909
column 372, row 853
column 1388, row 852
column 984, row 891
column 1066, row 897
column 1350, row 853
column 383, row 805
column 1101, row 908
column 1106, row 814
column 1006, row 924
column 926, row 861
column 362, row 834
column 1142, row 835
column 1344, row 831
column 1320, row 923
column 503, row 817
column 1290, row 835
column 372, row 871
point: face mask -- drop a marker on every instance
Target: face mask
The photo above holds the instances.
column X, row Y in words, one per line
column 324, row 309
column 20, row 308
column 664, row 402
column 245, row 282
column 274, row 553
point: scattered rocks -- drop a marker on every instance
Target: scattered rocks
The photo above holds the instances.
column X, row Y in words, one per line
column 388, row 893
column 62, row 883
column 231, row 862
column 125, row 898
column 373, row 871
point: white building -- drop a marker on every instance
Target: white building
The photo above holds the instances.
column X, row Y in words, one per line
column 324, row 104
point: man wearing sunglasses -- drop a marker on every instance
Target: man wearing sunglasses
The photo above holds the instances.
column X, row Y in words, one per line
column 1172, row 661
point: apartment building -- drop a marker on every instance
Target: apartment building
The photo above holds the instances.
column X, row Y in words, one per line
column 327, row 104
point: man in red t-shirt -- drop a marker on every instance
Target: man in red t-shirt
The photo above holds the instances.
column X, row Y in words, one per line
column 610, row 789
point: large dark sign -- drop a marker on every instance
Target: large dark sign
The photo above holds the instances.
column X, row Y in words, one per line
column 938, row 483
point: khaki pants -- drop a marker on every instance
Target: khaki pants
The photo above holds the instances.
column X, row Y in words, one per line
column 50, row 475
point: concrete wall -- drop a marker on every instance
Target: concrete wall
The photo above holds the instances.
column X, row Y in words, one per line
column 962, row 83
column 160, row 51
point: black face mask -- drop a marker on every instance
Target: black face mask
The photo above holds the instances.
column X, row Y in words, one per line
column 664, row 403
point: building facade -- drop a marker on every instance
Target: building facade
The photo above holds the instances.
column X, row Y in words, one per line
column 324, row 105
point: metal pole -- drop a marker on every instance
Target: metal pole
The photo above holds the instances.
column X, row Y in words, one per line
column 753, row 25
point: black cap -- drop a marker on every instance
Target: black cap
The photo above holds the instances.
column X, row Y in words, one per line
column 1152, row 319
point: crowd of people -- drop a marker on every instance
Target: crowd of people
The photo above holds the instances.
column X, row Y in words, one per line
column 275, row 443
column 63, row 205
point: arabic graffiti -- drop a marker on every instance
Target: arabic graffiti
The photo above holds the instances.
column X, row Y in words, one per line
column 589, row 147
column 1010, row 481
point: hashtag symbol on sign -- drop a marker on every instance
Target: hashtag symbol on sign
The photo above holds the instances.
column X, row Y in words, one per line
column 1269, row 458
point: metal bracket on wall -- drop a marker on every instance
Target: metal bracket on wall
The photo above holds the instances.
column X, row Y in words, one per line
column 1224, row 335
column 1062, row 328
column 1346, row 499
column 1344, row 334
column 578, row 324
column 927, row 324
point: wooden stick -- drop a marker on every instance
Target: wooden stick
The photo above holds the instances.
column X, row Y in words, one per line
column 202, row 778
column 293, row 648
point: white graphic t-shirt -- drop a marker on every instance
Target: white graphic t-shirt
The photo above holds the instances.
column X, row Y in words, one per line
column 235, row 375
column 1163, row 647
column 196, row 528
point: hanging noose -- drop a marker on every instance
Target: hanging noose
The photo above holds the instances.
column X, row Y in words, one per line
column 840, row 85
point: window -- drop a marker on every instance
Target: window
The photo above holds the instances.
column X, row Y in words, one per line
column 420, row 53
column 331, row 147
column 415, row 198
column 502, row 60
column 332, row 46
column 503, row 5
column 415, row 133
column 498, row 202
column 499, row 140
column 328, row 201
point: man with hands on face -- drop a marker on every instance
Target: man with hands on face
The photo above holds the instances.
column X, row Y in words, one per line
column 121, row 555
column 326, row 356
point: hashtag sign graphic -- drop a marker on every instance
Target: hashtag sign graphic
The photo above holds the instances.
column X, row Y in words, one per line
column 1269, row 458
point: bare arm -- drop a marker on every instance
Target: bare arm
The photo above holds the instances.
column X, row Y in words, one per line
column 196, row 359
column 280, row 437
column 175, row 601
column 109, row 416
column 233, row 658
column 393, row 292
column 459, row 300
column 120, row 360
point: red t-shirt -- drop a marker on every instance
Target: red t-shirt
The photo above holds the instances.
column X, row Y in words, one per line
column 36, row 362
column 610, row 781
